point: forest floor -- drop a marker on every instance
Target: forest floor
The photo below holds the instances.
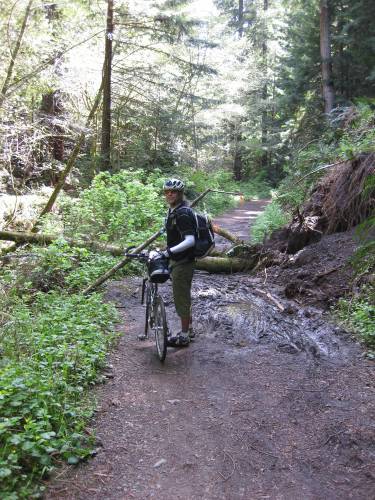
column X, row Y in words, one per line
column 271, row 401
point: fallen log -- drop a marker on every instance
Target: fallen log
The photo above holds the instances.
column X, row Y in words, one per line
column 211, row 264
column 226, row 234
column 225, row 264
column 47, row 239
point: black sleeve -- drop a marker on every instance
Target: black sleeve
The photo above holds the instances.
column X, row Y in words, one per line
column 185, row 224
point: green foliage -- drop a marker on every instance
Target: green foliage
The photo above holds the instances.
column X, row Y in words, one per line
column 70, row 268
column 350, row 134
column 199, row 180
column 257, row 188
column 272, row 218
column 124, row 208
column 358, row 314
column 359, row 135
column 53, row 346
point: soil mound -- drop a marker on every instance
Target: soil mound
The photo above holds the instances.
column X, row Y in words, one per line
column 319, row 274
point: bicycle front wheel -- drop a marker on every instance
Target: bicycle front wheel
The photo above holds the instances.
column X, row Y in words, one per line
column 148, row 310
column 160, row 328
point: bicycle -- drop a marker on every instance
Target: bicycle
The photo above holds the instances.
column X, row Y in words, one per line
column 155, row 315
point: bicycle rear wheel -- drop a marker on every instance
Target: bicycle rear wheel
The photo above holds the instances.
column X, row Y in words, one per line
column 160, row 328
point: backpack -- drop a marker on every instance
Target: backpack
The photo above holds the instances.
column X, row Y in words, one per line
column 204, row 233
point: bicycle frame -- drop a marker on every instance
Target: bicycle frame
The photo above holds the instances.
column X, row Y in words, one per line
column 153, row 287
column 156, row 319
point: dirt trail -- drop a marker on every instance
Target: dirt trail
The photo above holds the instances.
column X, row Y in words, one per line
column 263, row 405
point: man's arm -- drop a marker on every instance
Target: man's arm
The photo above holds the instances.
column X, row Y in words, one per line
column 188, row 242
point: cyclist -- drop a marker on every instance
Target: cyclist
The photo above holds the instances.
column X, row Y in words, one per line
column 180, row 228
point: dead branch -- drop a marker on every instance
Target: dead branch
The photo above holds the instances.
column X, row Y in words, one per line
column 326, row 273
column 47, row 239
column 271, row 297
column 226, row 234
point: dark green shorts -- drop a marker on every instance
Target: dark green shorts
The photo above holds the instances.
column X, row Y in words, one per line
column 182, row 276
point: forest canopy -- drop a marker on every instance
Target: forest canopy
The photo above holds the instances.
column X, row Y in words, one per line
column 241, row 86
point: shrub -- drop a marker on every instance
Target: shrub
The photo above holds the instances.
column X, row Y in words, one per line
column 116, row 208
column 272, row 218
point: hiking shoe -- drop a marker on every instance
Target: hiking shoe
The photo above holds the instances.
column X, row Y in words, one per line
column 180, row 339
column 191, row 333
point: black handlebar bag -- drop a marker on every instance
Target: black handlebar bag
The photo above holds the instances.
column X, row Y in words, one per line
column 158, row 269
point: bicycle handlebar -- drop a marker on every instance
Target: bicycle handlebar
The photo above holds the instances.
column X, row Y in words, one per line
column 145, row 256
column 140, row 256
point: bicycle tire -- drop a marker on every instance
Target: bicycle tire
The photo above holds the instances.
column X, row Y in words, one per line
column 160, row 328
column 148, row 310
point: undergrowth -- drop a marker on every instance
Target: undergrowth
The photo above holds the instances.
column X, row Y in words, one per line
column 272, row 218
column 53, row 346
column 357, row 313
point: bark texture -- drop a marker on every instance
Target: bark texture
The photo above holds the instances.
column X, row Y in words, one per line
column 107, row 71
column 325, row 53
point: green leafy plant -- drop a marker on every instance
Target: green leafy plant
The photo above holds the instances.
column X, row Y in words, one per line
column 124, row 208
column 272, row 218
column 358, row 314
column 52, row 350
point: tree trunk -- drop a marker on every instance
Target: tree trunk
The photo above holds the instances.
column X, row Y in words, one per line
column 106, row 116
column 325, row 53
column 225, row 264
column 264, row 125
column 47, row 239
column 52, row 107
column 240, row 18
column 14, row 54
column 237, row 166
column 194, row 130
column 237, row 160
column 52, row 102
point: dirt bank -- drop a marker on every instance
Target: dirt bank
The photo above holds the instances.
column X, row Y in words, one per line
column 271, row 401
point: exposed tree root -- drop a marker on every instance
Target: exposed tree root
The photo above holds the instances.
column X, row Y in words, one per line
column 336, row 204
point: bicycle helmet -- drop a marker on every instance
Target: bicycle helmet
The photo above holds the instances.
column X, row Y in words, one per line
column 174, row 185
